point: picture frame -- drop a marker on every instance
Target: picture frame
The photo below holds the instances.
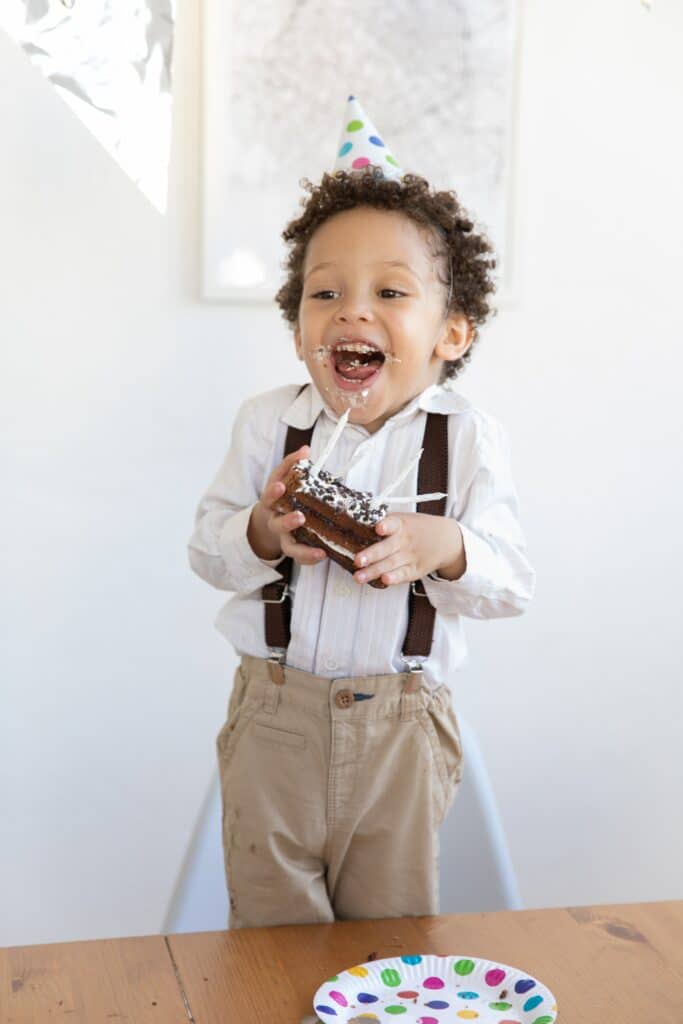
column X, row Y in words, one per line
column 272, row 111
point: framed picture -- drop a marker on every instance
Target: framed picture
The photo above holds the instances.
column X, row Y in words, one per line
column 436, row 77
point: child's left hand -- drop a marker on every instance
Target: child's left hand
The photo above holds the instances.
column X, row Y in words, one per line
column 414, row 545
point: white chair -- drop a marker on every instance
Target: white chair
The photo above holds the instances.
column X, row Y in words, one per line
column 476, row 869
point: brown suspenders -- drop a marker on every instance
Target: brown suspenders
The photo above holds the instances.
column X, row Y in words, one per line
column 276, row 599
column 432, row 476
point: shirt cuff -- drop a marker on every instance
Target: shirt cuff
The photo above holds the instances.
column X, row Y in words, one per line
column 463, row 596
column 488, row 588
column 480, row 565
column 247, row 570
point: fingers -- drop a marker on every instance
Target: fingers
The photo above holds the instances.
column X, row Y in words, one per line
column 283, row 526
column 386, row 555
column 383, row 548
column 401, row 574
column 271, row 493
column 301, row 553
column 388, row 526
column 275, row 487
column 393, row 569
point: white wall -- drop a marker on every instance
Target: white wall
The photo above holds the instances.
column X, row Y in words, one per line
column 118, row 391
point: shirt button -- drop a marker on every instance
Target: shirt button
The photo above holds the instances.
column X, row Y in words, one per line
column 344, row 699
column 330, row 663
column 342, row 589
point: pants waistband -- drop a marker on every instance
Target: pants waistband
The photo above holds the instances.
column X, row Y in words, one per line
column 374, row 696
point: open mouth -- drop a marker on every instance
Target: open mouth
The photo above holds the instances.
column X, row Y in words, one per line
column 356, row 364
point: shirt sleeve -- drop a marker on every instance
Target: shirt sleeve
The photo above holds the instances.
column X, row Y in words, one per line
column 218, row 550
column 498, row 580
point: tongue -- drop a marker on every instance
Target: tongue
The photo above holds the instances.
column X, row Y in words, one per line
column 357, row 371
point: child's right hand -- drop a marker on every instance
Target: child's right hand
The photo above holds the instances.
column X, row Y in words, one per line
column 269, row 532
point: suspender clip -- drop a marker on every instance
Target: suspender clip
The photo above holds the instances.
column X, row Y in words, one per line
column 281, row 598
column 415, row 674
column 414, row 663
column 276, row 667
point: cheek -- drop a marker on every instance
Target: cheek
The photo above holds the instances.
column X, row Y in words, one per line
column 311, row 322
column 312, row 352
column 408, row 330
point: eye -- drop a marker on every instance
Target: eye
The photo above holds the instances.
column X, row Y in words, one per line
column 326, row 293
column 391, row 293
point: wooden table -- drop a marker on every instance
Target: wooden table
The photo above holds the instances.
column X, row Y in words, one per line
column 605, row 965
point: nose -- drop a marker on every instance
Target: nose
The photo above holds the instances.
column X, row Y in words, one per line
column 352, row 311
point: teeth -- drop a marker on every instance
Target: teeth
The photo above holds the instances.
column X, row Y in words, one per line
column 356, row 346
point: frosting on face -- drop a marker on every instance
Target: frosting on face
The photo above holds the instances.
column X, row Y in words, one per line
column 354, row 399
column 359, row 505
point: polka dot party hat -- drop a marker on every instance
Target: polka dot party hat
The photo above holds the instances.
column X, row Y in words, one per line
column 361, row 145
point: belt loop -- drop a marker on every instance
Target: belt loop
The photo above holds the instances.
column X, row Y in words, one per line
column 276, row 668
column 271, row 699
column 412, row 684
column 276, row 671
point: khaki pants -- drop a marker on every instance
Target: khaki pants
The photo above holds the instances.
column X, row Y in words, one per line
column 333, row 791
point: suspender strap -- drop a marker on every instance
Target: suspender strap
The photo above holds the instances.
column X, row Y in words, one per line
column 432, row 476
column 276, row 599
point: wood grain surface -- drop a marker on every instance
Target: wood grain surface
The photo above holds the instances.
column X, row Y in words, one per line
column 110, row 981
column 605, row 965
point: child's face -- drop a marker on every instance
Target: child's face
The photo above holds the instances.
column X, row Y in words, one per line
column 371, row 283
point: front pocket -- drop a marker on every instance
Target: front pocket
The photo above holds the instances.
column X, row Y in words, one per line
column 438, row 761
column 237, row 697
column 239, row 688
column 446, row 727
column 279, row 736
column 227, row 738
column 441, row 728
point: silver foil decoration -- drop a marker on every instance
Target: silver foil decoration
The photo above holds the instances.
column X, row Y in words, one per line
column 110, row 60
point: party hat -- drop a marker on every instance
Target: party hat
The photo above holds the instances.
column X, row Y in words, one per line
column 361, row 145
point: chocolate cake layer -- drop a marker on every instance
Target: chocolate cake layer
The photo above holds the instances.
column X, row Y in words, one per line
column 339, row 520
column 304, row 536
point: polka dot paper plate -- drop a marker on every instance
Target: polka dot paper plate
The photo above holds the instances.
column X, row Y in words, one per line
column 433, row 990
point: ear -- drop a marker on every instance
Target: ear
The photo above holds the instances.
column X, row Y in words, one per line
column 297, row 344
column 456, row 337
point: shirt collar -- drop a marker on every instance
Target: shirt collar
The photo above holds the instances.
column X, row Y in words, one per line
column 440, row 398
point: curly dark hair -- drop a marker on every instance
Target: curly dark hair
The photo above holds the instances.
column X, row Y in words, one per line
column 466, row 255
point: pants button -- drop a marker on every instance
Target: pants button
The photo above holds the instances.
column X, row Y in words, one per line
column 344, row 699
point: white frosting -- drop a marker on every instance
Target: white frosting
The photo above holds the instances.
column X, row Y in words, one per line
column 331, row 543
column 359, row 505
column 354, row 399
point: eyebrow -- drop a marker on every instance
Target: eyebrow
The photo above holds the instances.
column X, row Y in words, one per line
column 385, row 263
column 318, row 266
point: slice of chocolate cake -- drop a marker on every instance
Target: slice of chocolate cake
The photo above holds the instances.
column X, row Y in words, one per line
column 339, row 520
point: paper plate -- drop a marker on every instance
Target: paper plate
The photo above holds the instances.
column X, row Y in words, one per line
column 432, row 990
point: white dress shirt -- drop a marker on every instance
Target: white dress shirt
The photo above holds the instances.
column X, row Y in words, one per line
column 338, row 627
